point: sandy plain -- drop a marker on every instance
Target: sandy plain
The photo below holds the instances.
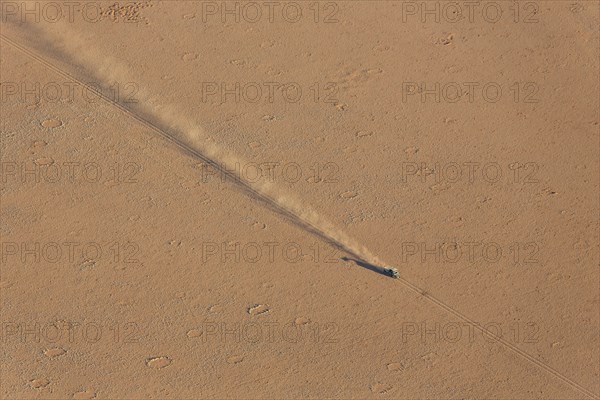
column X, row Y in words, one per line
column 198, row 200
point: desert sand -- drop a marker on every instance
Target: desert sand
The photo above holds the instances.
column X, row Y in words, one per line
column 204, row 200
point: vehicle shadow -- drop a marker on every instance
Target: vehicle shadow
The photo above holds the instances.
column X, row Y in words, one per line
column 372, row 267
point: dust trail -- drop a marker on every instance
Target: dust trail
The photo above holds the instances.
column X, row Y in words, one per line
column 71, row 51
